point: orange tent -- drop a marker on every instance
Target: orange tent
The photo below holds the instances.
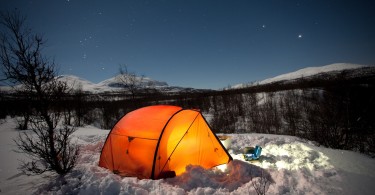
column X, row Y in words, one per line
column 155, row 141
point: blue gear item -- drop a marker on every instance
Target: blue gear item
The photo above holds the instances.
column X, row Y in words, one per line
column 251, row 153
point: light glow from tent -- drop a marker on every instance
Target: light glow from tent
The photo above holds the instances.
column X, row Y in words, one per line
column 222, row 167
column 290, row 156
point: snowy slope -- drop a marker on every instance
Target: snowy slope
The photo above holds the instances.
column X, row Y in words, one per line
column 307, row 72
column 109, row 85
column 77, row 82
column 145, row 82
column 294, row 166
column 112, row 85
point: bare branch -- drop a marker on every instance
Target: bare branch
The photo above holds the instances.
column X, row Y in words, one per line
column 130, row 81
column 22, row 62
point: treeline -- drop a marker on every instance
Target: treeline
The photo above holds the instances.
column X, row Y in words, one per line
column 340, row 117
column 336, row 113
column 333, row 111
column 101, row 110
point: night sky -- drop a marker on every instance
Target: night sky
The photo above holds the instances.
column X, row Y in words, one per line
column 201, row 43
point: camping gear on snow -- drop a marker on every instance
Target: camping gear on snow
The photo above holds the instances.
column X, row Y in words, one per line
column 160, row 141
column 251, row 153
column 226, row 140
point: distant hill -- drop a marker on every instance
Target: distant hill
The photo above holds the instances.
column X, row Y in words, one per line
column 346, row 70
column 114, row 84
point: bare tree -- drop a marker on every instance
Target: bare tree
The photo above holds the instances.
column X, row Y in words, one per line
column 79, row 106
column 130, row 81
column 262, row 183
column 49, row 145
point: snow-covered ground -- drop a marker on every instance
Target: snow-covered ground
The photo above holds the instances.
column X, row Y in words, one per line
column 293, row 165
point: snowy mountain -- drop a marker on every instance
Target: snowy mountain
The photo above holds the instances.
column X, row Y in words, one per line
column 77, row 82
column 114, row 85
column 143, row 81
column 355, row 70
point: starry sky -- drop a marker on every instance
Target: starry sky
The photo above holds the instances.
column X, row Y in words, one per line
column 200, row 43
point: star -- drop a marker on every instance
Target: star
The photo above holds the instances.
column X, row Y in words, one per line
column 263, row 26
column 300, row 36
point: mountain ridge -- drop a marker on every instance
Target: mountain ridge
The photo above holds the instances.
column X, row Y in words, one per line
column 307, row 72
column 115, row 85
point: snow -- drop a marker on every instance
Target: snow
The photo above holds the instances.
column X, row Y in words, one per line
column 77, row 82
column 291, row 165
column 108, row 85
column 305, row 72
column 111, row 85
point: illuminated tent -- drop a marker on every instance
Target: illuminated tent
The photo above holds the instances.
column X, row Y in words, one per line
column 157, row 141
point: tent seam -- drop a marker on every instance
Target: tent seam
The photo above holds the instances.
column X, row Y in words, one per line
column 169, row 157
column 157, row 145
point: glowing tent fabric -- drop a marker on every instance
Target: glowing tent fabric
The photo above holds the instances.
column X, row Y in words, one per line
column 154, row 140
